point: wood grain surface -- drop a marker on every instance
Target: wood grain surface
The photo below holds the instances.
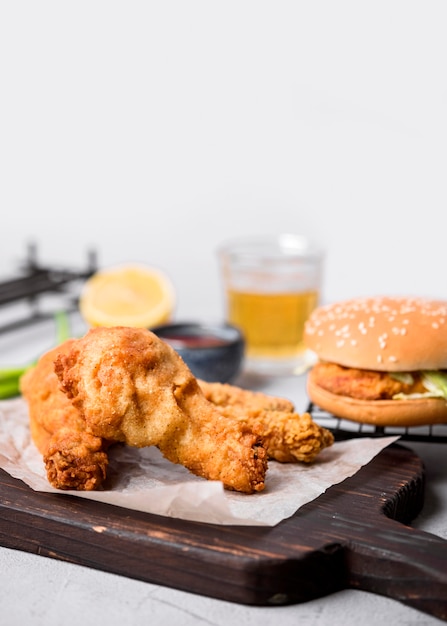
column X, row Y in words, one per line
column 356, row 535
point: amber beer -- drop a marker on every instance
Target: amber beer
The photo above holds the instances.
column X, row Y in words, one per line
column 272, row 323
column 271, row 286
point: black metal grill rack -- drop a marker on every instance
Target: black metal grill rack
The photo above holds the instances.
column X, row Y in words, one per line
column 346, row 429
column 36, row 280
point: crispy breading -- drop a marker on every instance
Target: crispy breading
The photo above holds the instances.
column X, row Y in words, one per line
column 132, row 387
column 288, row 436
column 223, row 394
column 362, row 384
column 73, row 457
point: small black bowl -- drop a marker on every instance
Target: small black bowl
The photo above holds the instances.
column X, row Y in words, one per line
column 213, row 352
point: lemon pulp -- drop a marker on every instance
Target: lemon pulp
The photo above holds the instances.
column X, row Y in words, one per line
column 132, row 295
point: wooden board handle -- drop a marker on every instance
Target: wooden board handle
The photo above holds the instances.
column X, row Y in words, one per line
column 402, row 563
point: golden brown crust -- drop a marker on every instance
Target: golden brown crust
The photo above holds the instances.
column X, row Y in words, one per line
column 73, row 458
column 226, row 395
column 287, row 436
column 132, row 387
column 381, row 333
column 414, row 412
column 362, row 384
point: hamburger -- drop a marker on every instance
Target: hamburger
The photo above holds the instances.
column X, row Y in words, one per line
column 380, row 360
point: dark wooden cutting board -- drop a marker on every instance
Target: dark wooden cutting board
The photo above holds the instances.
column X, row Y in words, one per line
column 353, row 536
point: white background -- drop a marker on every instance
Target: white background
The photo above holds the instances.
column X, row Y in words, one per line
column 153, row 131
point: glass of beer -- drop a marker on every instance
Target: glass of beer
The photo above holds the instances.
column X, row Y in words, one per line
column 271, row 285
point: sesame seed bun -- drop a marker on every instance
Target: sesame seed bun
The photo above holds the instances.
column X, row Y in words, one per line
column 386, row 335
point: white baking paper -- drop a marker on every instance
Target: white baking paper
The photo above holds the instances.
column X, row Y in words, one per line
column 143, row 480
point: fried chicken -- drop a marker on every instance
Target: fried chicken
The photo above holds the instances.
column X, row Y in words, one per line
column 129, row 386
column 363, row 384
column 287, row 435
column 74, row 458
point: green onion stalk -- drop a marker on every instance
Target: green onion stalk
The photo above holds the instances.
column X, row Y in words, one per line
column 10, row 376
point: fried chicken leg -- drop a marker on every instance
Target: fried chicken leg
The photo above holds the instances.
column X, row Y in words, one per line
column 74, row 458
column 130, row 386
column 287, row 435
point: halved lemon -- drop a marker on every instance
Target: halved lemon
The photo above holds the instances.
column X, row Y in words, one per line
column 128, row 295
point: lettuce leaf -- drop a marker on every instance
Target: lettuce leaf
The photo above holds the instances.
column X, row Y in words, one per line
column 403, row 377
column 435, row 381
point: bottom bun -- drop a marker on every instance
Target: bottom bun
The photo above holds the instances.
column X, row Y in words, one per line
column 416, row 412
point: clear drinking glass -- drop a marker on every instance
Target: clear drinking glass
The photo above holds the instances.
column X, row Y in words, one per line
column 271, row 285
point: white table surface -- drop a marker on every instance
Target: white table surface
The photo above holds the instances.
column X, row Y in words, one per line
column 38, row 590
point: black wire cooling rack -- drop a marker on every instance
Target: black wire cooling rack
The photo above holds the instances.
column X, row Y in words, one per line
column 346, row 429
column 35, row 280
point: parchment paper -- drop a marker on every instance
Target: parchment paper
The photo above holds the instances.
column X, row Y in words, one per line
column 143, row 480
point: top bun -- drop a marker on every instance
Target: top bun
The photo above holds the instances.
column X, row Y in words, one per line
column 381, row 333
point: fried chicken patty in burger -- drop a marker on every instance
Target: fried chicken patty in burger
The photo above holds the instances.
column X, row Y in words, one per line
column 381, row 360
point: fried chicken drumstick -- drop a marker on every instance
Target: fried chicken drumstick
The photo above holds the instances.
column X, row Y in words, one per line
column 74, row 458
column 129, row 386
column 287, row 435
